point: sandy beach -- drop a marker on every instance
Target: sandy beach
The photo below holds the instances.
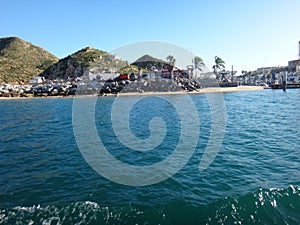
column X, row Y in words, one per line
column 231, row 89
column 200, row 91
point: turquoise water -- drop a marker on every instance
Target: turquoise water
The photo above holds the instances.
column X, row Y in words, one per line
column 254, row 179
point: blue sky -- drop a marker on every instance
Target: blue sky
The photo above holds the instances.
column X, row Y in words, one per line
column 245, row 34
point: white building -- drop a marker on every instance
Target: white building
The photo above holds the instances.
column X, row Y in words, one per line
column 37, row 80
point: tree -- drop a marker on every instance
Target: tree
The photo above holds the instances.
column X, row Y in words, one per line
column 219, row 65
column 244, row 75
column 171, row 60
column 198, row 63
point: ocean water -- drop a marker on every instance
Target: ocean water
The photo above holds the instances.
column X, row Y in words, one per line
column 254, row 179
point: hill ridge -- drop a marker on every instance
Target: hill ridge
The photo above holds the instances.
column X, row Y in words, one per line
column 88, row 58
column 20, row 60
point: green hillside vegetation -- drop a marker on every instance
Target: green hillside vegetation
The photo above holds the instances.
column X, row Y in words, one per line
column 20, row 61
column 87, row 59
column 129, row 69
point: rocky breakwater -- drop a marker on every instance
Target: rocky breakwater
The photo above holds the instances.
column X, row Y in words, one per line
column 137, row 84
column 39, row 90
column 144, row 84
column 7, row 90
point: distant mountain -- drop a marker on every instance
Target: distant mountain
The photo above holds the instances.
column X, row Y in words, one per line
column 94, row 60
column 20, row 61
column 147, row 62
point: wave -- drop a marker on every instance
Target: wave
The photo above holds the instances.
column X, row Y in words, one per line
column 264, row 206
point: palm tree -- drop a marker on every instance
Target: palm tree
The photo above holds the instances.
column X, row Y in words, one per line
column 198, row 63
column 171, row 60
column 244, row 74
column 219, row 65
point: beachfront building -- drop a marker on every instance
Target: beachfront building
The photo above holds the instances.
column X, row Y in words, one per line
column 37, row 80
column 277, row 74
column 294, row 71
column 265, row 74
column 265, row 70
column 251, row 78
column 102, row 76
column 294, row 66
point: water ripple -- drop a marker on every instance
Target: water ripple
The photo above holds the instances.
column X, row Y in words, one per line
column 40, row 164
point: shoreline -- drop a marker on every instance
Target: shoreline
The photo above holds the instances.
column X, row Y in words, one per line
column 200, row 91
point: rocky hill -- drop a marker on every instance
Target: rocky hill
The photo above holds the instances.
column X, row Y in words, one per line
column 147, row 62
column 94, row 60
column 20, row 61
